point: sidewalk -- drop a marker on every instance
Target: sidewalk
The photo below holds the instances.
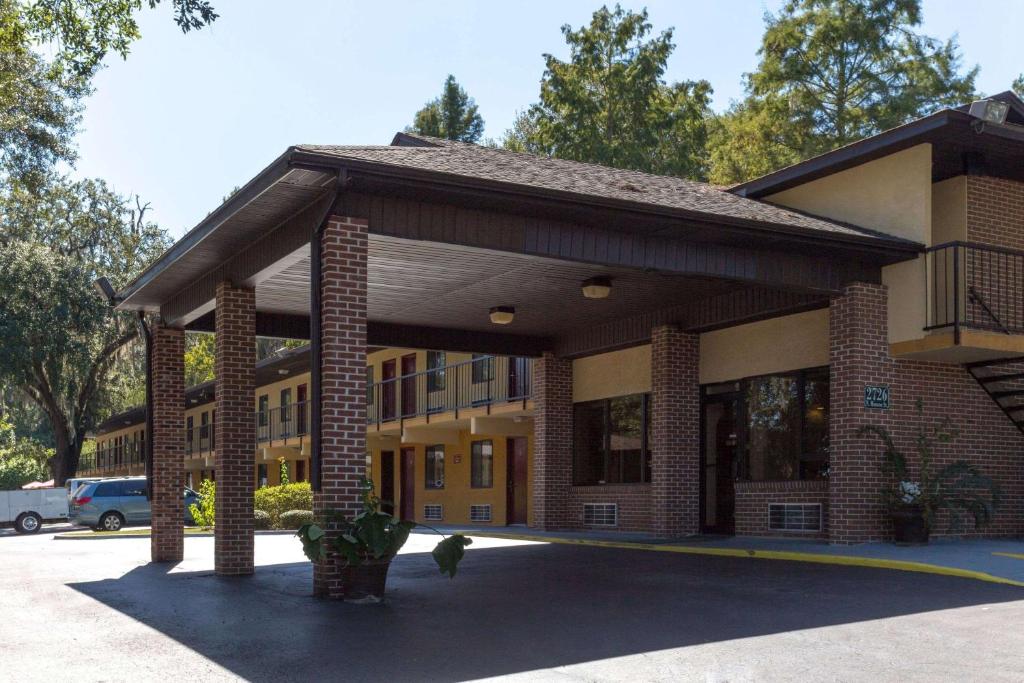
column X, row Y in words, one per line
column 996, row 561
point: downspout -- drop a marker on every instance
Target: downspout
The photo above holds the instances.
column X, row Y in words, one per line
column 147, row 337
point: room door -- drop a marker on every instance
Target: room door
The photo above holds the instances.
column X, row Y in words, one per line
column 387, row 481
column 409, row 385
column 719, row 460
column 407, row 497
column 516, row 500
column 387, row 389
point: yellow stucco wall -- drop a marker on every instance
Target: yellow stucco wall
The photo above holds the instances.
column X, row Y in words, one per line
column 777, row 345
column 618, row 373
column 891, row 194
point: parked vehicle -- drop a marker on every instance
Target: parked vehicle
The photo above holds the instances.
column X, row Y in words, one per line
column 26, row 510
column 71, row 485
column 110, row 504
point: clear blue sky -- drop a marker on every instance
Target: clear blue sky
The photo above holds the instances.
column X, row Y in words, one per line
column 188, row 117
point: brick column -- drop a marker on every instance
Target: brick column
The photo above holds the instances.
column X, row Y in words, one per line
column 343, row 380
column 858, row 356
column 234, row 429
column 552, row 441
column 167, row 540
column 675, row 432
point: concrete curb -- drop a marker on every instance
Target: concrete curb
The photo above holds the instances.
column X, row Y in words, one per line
column 789, row 556
column 145, row 533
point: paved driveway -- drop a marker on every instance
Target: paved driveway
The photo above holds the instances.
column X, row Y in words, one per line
column 84, row 610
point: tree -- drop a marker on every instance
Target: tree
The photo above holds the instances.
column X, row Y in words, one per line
column 59, row 339
column 610, row 104
column 1018, row 86
column 21, row 460
column 199, row 358
column 832, row 72
column 452, row 116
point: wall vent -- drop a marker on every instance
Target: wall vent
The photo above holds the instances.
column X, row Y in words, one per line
column 601, row 514
column 433, row 513
column 794, row 516
column 480, row 513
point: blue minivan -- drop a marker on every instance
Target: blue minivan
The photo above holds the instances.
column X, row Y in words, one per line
column 110, row 504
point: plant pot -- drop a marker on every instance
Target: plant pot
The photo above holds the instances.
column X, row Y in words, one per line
column 910, row 526
column 364, row 584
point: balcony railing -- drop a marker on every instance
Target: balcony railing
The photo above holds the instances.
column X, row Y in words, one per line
column 284, row 423
column 483, row 381
column 109, row 458
column 975, row 286
column 200, row 441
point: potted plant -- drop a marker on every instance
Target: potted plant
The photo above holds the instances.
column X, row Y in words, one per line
column 914, row 501
column 368, row 542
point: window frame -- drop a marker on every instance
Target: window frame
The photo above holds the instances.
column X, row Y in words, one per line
column 482, row 369
column 606, row 451
column 436, row 363
column 475, row 471
column 431, row 467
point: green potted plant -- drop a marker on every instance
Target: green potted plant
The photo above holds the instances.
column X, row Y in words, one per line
column 915, row 501
column 368, row 542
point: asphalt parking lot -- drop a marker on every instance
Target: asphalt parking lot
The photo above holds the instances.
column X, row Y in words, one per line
column 94, row 609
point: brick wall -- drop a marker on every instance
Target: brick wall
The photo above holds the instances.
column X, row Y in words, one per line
column 995, row 211
column 633, row 501
column 343, row 380
column 859, row 356
column 552, row 445
column 235, row 427
column 167, row 538
column 675, row 432
column 753, row 497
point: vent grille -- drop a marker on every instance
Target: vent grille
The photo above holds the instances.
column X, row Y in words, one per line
column 794, row 516
column 601, row 514
column 480, row 513
column 433, row 513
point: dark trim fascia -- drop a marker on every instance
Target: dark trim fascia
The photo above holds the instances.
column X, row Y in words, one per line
column 1008, row 131
column 853, row 154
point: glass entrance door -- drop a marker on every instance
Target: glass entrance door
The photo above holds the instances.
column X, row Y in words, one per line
column 720, row 459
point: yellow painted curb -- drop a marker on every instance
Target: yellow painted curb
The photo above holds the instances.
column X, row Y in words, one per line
column 1016, row 556
column 790, row 556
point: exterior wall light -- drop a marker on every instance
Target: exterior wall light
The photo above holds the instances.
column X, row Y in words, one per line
column 597, row 288
column 502, row 315
column 990, row 111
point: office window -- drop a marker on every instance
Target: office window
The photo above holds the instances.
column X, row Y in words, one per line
column 483, row 368
column 482, row 465
column 435, row 467
column 610, row 441
column 435, row 370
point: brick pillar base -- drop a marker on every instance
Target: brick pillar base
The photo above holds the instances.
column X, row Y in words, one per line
column 343, row 381
column 234, row 429
column 552, row 441
column 859, row 356
column 167, row 540
column 675, row 432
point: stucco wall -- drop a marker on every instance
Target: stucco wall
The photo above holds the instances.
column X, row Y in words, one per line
column 949, row 210
column 618, row 373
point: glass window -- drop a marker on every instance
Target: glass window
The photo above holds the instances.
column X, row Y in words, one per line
column 610, row 440
column 133, row 488
column 369, row 385
column 435, row 370
column 264, row 406
column 482, row 465
column 286, row 401
column 435, row 467
column 261, row 475
column 483, row 368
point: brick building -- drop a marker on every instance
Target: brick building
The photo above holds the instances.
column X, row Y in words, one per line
column 703, row 358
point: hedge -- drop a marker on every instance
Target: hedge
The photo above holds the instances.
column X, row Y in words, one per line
column 276, row 500
column 293, row 519
column 261, row 519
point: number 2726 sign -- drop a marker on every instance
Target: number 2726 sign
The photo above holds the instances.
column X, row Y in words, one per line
column 876, row 397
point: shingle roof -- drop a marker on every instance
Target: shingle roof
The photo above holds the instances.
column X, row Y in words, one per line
column 527, row 170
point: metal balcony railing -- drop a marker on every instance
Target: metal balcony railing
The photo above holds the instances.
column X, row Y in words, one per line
column 975, row 286
column 283, row 423
column 109, row 458
column 200, row 441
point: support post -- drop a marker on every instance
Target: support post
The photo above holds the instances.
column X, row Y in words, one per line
column 552, row 441
column 167, row 409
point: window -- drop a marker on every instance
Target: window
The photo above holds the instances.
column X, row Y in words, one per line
column 610, row 441
column 134, row 488
column 483, row 368
column 261, row 475
column 286, row 401
column 189, row 433
column 787, row 426
column 264, row 406
column 482, row 465
column 300, row 470
column 435, row 370
column 369, row 385
column 435, row 467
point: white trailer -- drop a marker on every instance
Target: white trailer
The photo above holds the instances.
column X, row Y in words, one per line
column 27, row 510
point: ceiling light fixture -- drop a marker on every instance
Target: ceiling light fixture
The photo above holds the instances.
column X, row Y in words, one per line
column 597, row 288
column 502, row 315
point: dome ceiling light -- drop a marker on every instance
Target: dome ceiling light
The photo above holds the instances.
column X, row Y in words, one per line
column 597, row 288
column 502, row 315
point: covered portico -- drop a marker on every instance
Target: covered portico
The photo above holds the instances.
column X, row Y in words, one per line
column 412, row 245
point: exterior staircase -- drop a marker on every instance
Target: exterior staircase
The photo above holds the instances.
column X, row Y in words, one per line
column 1003, row 380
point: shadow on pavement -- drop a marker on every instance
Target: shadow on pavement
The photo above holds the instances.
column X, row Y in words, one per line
column 513, row 609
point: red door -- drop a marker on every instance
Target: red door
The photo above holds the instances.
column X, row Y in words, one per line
column 408, row 484
column 515, row 455
column 409, row 385
column 387, row 389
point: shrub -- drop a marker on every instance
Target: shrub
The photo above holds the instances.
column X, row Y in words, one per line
column 277, row 500
column 261, row 519
column 203, row 513
column 293, row 519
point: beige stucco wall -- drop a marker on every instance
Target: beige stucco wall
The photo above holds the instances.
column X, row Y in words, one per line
column 618, row 373
column 949, row 210
column 776, row 345
column 908, row 296
column 891, row 194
